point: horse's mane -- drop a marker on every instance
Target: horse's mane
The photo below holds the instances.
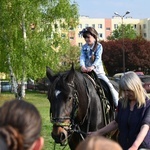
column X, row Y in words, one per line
column 60, row 85
column 77, row 79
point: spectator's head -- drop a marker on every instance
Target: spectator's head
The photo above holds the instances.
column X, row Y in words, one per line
column 130, row 88
column 20, row 126
column 98, row 143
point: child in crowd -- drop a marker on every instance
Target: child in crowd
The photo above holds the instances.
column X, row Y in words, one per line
column 20, row 126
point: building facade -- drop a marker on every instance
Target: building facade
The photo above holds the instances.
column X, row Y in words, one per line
column 105, row 26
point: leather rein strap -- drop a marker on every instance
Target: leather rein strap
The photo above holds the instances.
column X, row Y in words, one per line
column 104, row 101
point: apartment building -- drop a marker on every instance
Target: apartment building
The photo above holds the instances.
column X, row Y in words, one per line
column 105, row 27
column 145, row 28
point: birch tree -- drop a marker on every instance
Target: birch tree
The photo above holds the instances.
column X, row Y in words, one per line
column 31, row 37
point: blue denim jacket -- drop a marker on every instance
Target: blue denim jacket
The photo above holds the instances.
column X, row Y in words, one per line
column 85, row 58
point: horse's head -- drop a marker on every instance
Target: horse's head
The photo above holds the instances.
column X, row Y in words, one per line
column 64, row 103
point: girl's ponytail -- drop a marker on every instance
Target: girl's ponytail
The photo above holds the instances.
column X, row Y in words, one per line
column 11, row 138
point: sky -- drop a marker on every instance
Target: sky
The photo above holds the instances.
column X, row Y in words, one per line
column 139, row 9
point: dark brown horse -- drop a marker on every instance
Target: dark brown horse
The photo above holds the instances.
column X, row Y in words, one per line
column 76, row 107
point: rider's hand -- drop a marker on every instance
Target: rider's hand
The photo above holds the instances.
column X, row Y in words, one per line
column 84, row 69
column 89, row 69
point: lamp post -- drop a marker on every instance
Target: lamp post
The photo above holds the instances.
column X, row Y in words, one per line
column 123, row 50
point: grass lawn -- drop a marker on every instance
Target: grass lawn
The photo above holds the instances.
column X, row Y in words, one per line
column 42, row 104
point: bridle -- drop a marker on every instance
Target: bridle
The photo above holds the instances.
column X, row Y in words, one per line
column 71, row 126
column 61, row 120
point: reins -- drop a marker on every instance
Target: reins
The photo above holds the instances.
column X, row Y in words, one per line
column 75, row 110
column 104, row 101
column 88, row 113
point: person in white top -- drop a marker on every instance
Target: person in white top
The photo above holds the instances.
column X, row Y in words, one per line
column 91, row 58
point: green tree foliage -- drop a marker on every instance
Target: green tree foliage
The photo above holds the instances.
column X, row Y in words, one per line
column 72, row 56
column 31, row 34
column 123, row 31
column 137, row 54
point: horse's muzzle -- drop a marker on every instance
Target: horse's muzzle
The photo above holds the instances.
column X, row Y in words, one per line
column 60, row 136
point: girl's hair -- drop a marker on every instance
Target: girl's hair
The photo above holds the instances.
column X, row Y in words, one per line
column 131, row 81
column 3, row 145
column 10, row 139
column 98, row 143
column 20, row 124
column 90, row 30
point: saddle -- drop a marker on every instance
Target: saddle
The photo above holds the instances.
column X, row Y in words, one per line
column 102, row 88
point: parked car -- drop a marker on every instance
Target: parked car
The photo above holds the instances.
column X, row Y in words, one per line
column 144, row 78
column 6, row 86
column 116, row 77
column 42, row 84
column 139, row 73
column 30, row 84
column 146, row 82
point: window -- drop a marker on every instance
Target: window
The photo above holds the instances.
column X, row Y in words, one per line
column 135, row 26
column 115, row 26
column 86, row 25
column 145, row 35
column 93, row 25
column 107, row 28
column 71, row 38
column 144, row 26
column 80, row 26
column 80, row 44
column 100, row 35
column 80, row 35
column 100, row 26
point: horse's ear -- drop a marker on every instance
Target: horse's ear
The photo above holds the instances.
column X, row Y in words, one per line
column 49, row 74
column 71, row 73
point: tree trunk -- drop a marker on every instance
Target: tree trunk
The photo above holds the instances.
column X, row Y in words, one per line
column 13, row 80
column 24, row 50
